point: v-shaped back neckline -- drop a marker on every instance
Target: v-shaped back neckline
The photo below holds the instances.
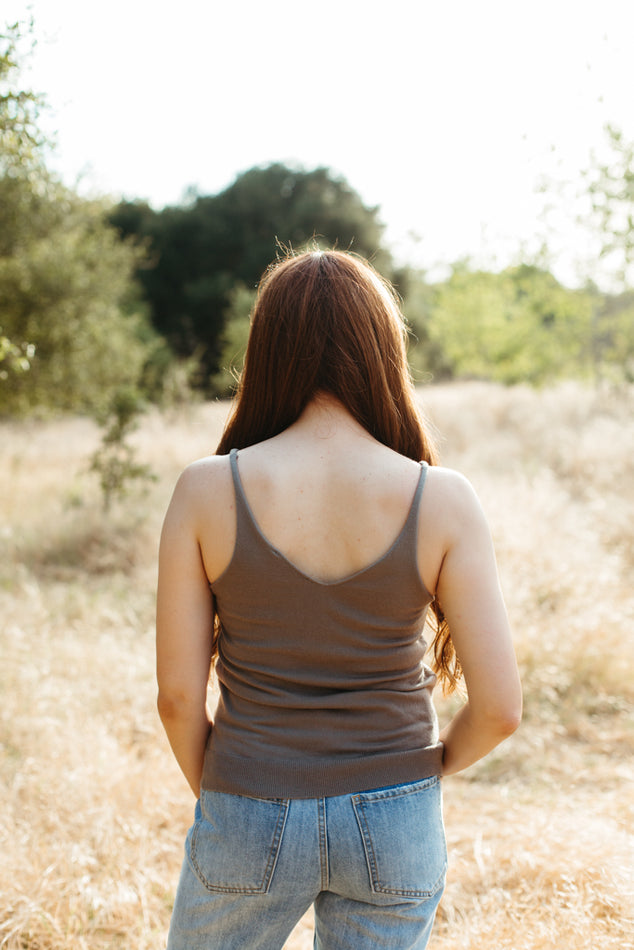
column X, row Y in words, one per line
column 241, row 499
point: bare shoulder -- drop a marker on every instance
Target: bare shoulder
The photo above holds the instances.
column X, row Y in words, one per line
column 207, row 480
column 203, row 497
column 203, row 509
column 451, row 506
column 452, row 489
column 452, row 526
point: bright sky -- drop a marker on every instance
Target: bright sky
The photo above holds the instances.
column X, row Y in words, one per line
column 444, row 113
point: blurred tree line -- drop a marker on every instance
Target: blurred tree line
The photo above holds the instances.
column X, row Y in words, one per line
column 99, row 299
column 205, row 258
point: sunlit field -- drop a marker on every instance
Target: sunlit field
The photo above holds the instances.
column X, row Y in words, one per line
column 93, row 809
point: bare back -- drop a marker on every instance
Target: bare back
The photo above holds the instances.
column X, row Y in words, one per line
column 325, row 494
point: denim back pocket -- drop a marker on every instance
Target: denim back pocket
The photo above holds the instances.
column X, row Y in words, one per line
column 404, row 838
column 234, row 842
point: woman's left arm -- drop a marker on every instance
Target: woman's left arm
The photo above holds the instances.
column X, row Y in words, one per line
column 184, row 634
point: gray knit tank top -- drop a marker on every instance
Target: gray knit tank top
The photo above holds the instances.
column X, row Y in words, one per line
column 323, row 688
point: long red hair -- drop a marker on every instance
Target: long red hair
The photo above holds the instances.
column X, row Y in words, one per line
column 326, row 321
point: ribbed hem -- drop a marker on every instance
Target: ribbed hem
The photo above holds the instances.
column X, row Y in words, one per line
column 317, row 778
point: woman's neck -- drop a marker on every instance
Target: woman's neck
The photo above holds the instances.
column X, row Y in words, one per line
column 325, row 417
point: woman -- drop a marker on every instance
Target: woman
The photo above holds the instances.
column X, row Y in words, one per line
column 301, row 561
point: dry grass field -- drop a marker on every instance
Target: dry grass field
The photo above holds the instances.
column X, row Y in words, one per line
column 93, row 810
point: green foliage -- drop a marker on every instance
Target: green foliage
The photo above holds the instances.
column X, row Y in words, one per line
column 20, row 146
column 115, row 460
column 67, row 297
column 164, row 380
column 64, row 287
column 276, row 204
column 21, row 142
column 426, row 355
column 517, row 326
column 201, row 251
column 234, row 337
column 13, row 358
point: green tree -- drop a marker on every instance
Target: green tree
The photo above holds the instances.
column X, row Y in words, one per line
column 517, row 326
column 68, row 303
column 20, row 137
column 202, row 250
column 66, row 289
column 20, row 147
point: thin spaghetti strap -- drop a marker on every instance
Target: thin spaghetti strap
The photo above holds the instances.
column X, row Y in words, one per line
column 233, row 458
column 242, row 507
column 419, row 488
column 245, row 518
column 410, row 528
column 241, row 498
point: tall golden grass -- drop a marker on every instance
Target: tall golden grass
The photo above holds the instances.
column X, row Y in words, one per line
column 93, row 810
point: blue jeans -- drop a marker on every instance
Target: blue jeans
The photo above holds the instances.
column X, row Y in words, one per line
column 372, row 863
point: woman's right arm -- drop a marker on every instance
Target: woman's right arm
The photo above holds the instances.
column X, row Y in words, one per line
column 469, row 593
